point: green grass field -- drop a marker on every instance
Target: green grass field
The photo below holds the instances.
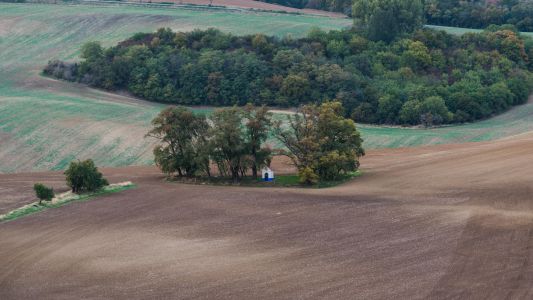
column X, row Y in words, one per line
column 459, row 30
column 44, row 124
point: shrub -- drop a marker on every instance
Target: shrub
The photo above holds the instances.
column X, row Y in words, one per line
column 43, row 192
column 83, row 176
column 307, row 176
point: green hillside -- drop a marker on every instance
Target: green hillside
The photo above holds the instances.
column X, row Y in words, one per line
column 45, row 123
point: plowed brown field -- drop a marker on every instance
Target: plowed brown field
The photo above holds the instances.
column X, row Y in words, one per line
column 251, row 4
column 442, row 222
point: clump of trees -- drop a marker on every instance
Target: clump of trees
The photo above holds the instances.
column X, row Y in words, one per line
column 480, row 14
column 83, row 176
column 233, row 139
column 183, row 136
column 321, row 143
column 457, row 13
column 384, row 20
column 43, row 192
column 392, row 76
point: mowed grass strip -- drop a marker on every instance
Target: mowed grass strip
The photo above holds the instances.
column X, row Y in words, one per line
column 36, row 207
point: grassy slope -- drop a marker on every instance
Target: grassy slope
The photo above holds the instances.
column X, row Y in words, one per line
column 459, row 30
column 44, row 124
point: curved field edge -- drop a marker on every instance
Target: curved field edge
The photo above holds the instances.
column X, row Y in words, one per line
column 44, row 124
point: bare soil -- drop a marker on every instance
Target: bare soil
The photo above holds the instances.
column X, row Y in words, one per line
column 441, row 222
column 251, row 4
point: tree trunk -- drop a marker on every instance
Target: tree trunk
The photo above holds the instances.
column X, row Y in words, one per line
column 254, row 164
column 254, row 171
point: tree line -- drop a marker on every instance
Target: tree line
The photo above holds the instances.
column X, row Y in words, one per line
column 423, row 77
column 321, row 144
column 480, row 14
column 457, row 13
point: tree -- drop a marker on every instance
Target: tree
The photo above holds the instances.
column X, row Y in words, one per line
column 434, row 109
column 258, row 121
column 183, row 135
column 92, row 52
column 388, row 108
column 295, row 88
column 43, row 192
column 416, row 56
column 320, row 141
column 386, row 19
column 410, row 112
column 83, row 176
column 227, row 143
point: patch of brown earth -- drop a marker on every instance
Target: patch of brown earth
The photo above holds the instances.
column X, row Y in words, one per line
column 442, row 222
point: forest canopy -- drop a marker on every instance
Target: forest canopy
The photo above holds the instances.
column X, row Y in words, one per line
column 458, row 13
column 481, row 13
column 426, row 77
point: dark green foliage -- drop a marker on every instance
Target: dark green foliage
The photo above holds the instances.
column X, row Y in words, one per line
column 183, row 136
column 320, row 142
column 83, row 176
column 480, row 14
column 43, row 192
column 232, row 139
column 385, row 20
column 228, row 143
column 475, row 75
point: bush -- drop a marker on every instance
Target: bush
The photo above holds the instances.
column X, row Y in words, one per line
column 83, row 176
column 61, row 70
column 308, row 176
column 43, row 192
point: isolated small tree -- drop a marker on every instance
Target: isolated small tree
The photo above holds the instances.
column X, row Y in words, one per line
column 43, row 192
column 83, row 176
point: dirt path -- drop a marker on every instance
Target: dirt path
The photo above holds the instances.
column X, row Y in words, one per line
column 452, row 221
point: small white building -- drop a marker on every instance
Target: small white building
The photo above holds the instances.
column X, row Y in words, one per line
column 267, row 174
